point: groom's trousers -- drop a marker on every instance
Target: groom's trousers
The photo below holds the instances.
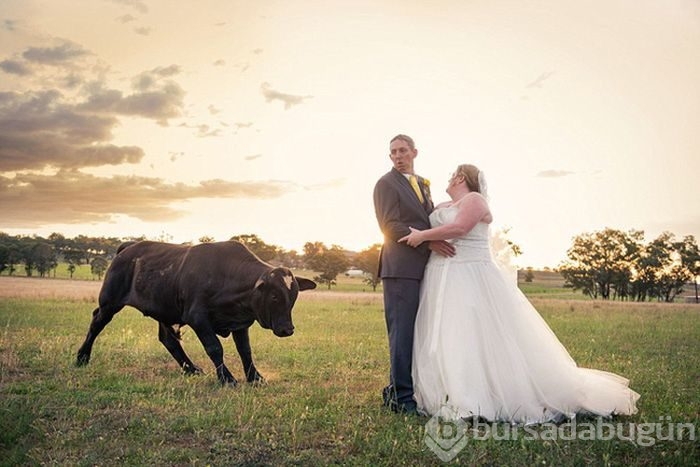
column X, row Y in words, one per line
column 401, row 298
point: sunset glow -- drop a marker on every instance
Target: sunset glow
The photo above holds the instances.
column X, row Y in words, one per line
column 138, row 117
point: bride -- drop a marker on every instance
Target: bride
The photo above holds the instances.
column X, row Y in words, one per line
column 480, row 348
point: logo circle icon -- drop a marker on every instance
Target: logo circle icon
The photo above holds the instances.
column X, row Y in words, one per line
column 446, row 433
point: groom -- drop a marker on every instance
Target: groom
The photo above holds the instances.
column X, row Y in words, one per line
column 402, row 200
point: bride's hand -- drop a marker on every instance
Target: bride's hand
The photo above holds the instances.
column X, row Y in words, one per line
column 413, row 239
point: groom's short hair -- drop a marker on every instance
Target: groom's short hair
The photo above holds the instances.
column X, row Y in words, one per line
column 405, row 138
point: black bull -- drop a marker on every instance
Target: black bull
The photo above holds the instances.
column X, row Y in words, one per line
column 215, row 288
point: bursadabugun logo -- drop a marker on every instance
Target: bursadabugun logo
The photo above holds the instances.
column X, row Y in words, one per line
column 446, row 434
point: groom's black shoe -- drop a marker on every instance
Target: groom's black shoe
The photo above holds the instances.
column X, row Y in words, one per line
column 389, row 397
column 389, row 400
column 408, row 408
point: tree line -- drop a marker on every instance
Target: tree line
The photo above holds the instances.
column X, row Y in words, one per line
column 35, row 255
column 607, row 264
column 612, row 264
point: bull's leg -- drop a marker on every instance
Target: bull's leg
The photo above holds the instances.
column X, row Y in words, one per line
column 213, row 347
column 242, row 341
column 101, row 316
column 171, row 340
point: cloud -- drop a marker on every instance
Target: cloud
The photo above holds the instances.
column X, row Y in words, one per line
column 9, row 24
column 47, row 128
column 72, row 81
column 538, row 82
column 15, row 67
column 54, row 65
column 288, row 99
column 213, row 110
column 220, row 62
column 138, row 5
column 253, row 157
column 240, row 125
column 554, row 173
column 158, row 102
column 205, row 131
column 142, row 30
column 58, row 55
column 126, row 18
column 39, row 130
column 148, row 79
column 32, row 200
column 175, row 155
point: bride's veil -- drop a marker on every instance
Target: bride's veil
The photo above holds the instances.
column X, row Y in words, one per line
column 501, row 247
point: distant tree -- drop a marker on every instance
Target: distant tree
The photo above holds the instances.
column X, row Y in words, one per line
column 98, row 266
column 164, row 237
column 601, row 262
column 368, row 261
column 108, row 247
column 311, row 250
column 290, row 258
column 671, row 275
column 26, row 254
column 72, row 255
column 71, row 269
column 529, row 275
column 262, row 250
column 81, row 244
column 58, row 241
column 328, row 262
column 12, row 255
column 206, row 239
column 690, row 258
column 40, row 256
column 4, row 257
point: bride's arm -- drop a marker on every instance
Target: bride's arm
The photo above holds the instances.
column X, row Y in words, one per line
column 472, row 209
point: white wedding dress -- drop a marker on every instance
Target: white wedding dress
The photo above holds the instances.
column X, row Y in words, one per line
column 481, row 349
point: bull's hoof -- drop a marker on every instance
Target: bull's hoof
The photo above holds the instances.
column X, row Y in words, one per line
column 225, row 377
column 82, row 360
column 231, row 383
column 257, row 378
column 192, row 370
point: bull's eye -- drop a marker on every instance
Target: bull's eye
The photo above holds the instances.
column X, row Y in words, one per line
column 274, row 297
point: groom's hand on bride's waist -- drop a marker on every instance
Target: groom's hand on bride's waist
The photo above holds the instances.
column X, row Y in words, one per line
column 442, row 247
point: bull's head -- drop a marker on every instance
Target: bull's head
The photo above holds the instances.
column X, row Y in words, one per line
column 273, row 299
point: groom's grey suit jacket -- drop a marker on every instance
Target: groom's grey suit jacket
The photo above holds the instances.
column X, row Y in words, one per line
column 397, row 208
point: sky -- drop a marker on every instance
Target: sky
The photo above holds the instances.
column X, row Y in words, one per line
column 176, row 119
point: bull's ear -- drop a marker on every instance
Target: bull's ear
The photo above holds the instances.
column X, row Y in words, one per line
column 305, row 284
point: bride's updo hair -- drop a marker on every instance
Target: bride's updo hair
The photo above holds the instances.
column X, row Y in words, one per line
column 471, row 176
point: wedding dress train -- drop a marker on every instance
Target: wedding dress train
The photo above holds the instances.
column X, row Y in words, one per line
column 482, row 349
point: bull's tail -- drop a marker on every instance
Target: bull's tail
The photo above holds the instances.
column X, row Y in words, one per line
column 124, row 246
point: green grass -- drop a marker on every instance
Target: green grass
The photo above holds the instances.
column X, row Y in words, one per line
column 320, row 406
column 82, row 272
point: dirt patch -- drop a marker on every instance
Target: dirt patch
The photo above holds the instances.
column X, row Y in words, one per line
column 34, row 287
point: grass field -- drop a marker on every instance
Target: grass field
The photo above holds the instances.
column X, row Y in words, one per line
column 320, row 404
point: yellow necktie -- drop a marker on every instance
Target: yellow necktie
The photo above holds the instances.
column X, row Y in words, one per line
column 414, row 183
